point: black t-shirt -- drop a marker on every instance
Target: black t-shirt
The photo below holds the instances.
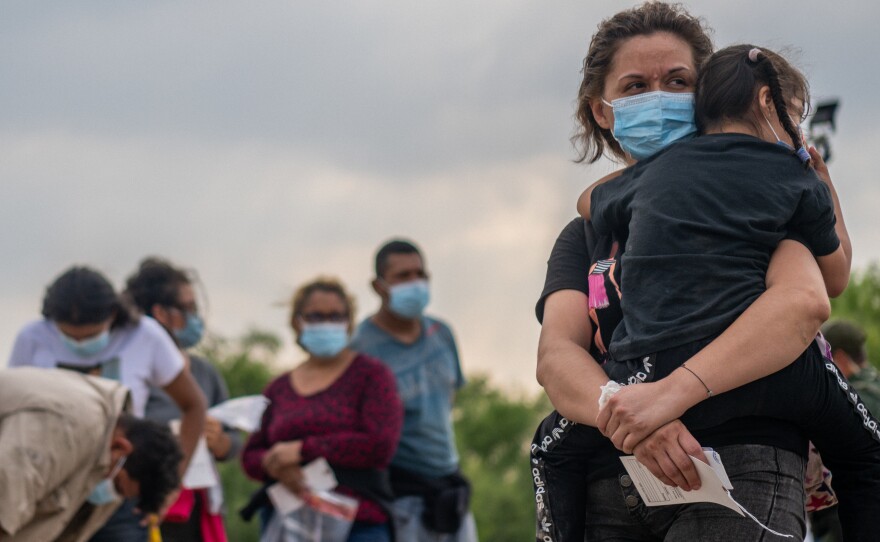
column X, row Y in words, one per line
column 568, row 265
column 699, row 222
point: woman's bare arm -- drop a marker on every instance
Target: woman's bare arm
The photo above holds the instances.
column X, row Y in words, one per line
column 569, row 374
column 184, row 391
column 571, row 379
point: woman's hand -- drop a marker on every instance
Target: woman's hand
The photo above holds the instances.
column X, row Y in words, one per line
column 636, row 411
column 666, row 453
column 218, row 441
column 292, row 478
column 282, row 455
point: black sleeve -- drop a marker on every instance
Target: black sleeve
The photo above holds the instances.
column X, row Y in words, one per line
column 815, row 220
column 569, row 263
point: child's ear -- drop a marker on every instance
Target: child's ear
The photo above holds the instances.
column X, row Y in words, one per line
column 765, row 100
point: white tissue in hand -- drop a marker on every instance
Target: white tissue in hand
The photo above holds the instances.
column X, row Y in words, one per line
column 608, row 390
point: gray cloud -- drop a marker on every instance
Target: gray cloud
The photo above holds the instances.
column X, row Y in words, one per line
column 263, row 144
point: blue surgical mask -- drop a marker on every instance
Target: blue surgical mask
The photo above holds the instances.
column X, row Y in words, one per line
column 105, row 491
column 409, row 299
column 324, row 340
column 647, row 123
column 192, row 332
column 87, row 348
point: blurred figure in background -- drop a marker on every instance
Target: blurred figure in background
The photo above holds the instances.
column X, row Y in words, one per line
column 338, row 404
column 71, row 453
column 431, row 495
column 86, row 328
column 847, row 340
column 165, row 293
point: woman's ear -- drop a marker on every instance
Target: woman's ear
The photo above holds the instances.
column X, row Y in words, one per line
column 296, row 325
column 160, row 314
column 604, row 118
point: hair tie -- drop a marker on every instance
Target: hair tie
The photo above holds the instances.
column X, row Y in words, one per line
column 803, row 154
column 753, row 54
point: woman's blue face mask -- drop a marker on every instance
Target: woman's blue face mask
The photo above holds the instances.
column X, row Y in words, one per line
column 324, row 340
column 192, row 332
column 87, row 347
column 647, row 123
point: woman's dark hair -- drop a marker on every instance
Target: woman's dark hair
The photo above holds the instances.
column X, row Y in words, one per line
column 649, row 18
column 321, row 284
column 82, row 295
column 729, row 81
column 155, row 282
column 154, row 460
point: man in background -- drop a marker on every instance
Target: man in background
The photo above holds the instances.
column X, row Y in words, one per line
column 70, row 452
column 431, row 495
column 847, row 340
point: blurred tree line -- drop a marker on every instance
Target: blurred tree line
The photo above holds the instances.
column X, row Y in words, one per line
column 493, row 431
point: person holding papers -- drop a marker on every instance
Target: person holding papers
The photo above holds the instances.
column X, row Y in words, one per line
column 338, row 404
column 165, row 293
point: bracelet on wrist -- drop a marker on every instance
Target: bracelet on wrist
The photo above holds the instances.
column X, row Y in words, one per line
column 688, row 369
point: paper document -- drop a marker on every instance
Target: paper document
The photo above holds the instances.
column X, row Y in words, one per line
column 317, row 476
column 201, row 472
column 244, row 413
column 714, row 488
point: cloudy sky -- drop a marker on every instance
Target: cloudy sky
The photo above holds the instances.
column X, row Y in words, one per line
column 263, row 143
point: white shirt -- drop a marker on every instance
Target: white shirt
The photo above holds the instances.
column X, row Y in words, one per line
column 138, row 355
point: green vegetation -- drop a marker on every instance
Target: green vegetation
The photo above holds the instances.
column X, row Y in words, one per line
column 244, row 366
column 493, row 430
column 861, row 304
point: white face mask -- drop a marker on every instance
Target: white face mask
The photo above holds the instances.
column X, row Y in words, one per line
column 105, row 492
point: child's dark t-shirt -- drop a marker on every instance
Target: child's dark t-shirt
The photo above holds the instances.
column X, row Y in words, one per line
column 699, row 222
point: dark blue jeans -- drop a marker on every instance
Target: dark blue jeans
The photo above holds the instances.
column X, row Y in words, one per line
column 369, row 532
column 123, row 526
column 767, row 481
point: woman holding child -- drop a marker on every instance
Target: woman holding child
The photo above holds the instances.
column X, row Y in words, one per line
column 635, row 102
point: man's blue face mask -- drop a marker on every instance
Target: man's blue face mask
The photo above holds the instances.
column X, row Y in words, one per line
column 647, row 123
column 105, row 492
column 409, row 299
